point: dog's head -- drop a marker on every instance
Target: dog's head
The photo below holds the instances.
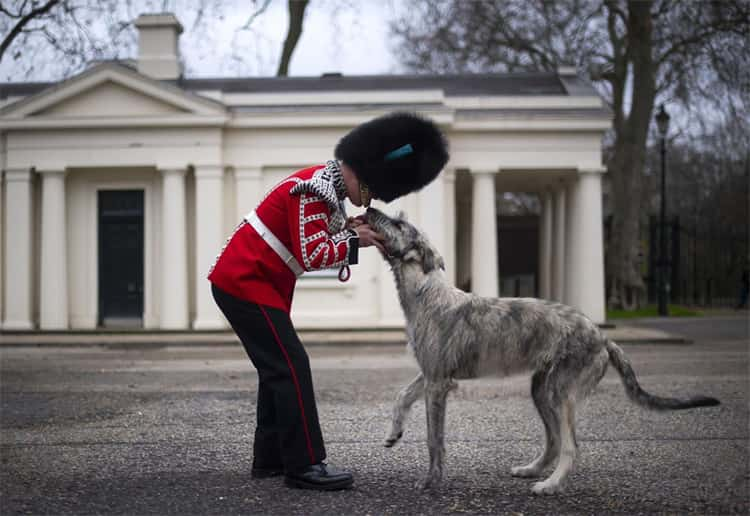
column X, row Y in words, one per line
column 404, row 244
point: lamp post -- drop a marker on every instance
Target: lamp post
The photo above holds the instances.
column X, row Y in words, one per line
column 662, row 123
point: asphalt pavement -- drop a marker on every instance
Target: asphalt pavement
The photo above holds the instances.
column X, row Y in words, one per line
column 102, row 429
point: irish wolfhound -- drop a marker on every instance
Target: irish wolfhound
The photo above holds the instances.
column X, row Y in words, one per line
column 457, row 335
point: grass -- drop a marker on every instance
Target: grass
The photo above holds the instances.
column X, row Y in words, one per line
column 652, row 311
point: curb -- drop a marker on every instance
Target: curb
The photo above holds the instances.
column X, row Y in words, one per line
column 675, row 341
column 128, row 341
column 158, row 340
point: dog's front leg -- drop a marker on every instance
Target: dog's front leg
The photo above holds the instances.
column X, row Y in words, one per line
column 436, row 394
column 404, row 401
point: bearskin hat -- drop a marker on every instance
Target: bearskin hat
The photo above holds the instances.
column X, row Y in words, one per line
column 394, row 154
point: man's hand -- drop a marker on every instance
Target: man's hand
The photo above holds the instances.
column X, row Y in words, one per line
column 367, row 236
column 353, row 222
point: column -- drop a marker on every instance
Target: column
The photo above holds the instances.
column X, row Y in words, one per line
column 449, row 254
column 208, row 240
column 588, row 254
column 572, row 282
column 484, row 266
column 431, row 201
column 545, row 246
column 558, row 245
column 53, row 278
column 174, row 292
column 18, row 258
column 248, row 191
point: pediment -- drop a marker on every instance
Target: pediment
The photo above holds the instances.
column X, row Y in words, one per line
column 109, row 99
column 110, row 91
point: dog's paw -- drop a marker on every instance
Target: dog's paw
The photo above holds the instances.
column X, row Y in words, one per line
column 524, row 472
column 546, row 488
column 427, row 483
column 391, row 440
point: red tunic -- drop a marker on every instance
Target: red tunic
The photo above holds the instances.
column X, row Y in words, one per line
column 248, row 268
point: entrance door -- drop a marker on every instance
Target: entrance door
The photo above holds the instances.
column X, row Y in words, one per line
column 121, row 258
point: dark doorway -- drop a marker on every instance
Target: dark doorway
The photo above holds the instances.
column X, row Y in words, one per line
column 518, row 254
column 120, row 258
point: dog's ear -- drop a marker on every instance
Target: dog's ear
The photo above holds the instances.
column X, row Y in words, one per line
column 431, row 260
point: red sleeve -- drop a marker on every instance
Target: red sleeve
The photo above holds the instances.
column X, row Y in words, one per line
column 312, row 244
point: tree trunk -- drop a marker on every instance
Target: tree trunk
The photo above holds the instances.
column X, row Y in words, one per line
column 296, row 17
column 626, row 165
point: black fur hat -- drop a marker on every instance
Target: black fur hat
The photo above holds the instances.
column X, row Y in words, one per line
column 394, row 154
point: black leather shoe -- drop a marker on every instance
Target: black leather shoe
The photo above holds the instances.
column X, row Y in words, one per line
column 320, row 477
column 259, row 473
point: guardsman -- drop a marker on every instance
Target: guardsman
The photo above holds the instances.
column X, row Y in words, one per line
column 301, row 225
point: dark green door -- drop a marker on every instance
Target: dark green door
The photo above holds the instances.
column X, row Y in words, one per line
column 120, row 257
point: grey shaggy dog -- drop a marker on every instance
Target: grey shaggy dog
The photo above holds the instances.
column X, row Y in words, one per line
column 457, row 335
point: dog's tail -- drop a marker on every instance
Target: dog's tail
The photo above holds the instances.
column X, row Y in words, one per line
column 643, row 398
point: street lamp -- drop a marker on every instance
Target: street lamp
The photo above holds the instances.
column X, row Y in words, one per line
column 662, row 123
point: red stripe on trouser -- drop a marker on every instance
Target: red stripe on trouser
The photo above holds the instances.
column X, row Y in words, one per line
column 296, row 383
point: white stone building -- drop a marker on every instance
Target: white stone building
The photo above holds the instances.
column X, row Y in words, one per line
column 121, row 184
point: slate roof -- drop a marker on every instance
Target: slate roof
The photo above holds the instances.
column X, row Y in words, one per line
column 475, row 84
column 526, row 83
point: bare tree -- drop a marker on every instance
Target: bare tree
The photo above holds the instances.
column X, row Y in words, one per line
column 635, row 52
column 63, row 36
column 709, row 188
column 20, row 19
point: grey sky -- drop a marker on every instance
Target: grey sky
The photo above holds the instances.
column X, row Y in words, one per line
column 353, row 42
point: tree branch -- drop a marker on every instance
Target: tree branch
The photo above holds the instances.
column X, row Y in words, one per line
column 257, row 13
column 16, row 30
column 711, row 30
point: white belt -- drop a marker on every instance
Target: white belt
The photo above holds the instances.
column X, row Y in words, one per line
column 275, row 244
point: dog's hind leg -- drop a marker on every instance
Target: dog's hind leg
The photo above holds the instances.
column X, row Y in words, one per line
column 568, row 383
column 568, row 449
column 401, row 407
column 551, row 426
column 436, row 394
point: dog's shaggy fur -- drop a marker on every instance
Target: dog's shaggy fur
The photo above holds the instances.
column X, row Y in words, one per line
column 457, row 335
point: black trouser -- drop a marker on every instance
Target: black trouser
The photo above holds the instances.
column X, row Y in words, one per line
column 288, row 432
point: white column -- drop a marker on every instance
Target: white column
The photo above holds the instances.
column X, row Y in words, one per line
column 572, row 282
column 484, row 270
column 174, row 291
column 53, row 279
column 558, row 245
column 248, row 191
column 545, row 246
column 18, row 260
column 588, row 253
column 449, row 253
column 410, row 206
column 208, row 227
column 431, row 202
